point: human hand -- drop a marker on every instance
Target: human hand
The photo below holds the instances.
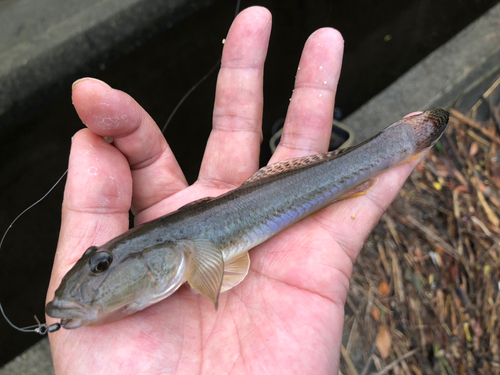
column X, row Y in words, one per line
column 287, row 315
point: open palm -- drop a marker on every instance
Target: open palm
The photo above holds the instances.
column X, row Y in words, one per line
column 287, row 315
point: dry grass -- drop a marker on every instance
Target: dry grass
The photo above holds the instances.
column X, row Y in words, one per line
column 424, row 295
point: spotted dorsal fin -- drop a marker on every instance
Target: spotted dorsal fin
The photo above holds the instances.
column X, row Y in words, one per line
column 289, row 164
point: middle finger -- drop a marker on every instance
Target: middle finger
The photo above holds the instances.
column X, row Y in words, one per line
column 232, row 152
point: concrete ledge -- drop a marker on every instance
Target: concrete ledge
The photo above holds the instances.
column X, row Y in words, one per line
column 36, row 360
column 52, row 42
column 436, row 81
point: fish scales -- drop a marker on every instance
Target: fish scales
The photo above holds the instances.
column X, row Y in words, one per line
column 196, row 242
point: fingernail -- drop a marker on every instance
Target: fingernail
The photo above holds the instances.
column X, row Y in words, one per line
column 89, row 79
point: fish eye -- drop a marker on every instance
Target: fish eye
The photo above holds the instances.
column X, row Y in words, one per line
column 100, row 262
column 89, row 250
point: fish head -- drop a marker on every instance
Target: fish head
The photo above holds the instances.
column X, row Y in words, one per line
column 106, row 284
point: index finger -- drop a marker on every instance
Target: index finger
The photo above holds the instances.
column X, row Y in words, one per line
column 112, row 113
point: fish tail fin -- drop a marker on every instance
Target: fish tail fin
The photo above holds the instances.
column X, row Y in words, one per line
column 428, row 128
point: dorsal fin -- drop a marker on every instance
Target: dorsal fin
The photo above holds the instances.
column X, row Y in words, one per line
column 286, row 165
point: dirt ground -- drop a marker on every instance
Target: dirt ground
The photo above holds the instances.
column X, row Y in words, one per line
column 424, row 295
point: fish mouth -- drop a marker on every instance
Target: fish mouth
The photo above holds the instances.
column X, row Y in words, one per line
column 73, row 314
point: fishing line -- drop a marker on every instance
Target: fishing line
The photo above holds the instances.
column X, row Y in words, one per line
column 329, row 12
column 202, row 79
column 42, row 328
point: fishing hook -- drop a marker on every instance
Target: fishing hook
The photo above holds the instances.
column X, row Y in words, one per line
column 40, row 328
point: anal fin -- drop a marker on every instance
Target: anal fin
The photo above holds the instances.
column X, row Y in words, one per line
column 360, row 190
column 235, row 271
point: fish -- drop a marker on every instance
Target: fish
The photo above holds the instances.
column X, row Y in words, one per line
column 206, row 242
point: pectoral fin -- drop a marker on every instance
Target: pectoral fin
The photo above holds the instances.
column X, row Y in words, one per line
column 235, row 271
column 206, row 269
